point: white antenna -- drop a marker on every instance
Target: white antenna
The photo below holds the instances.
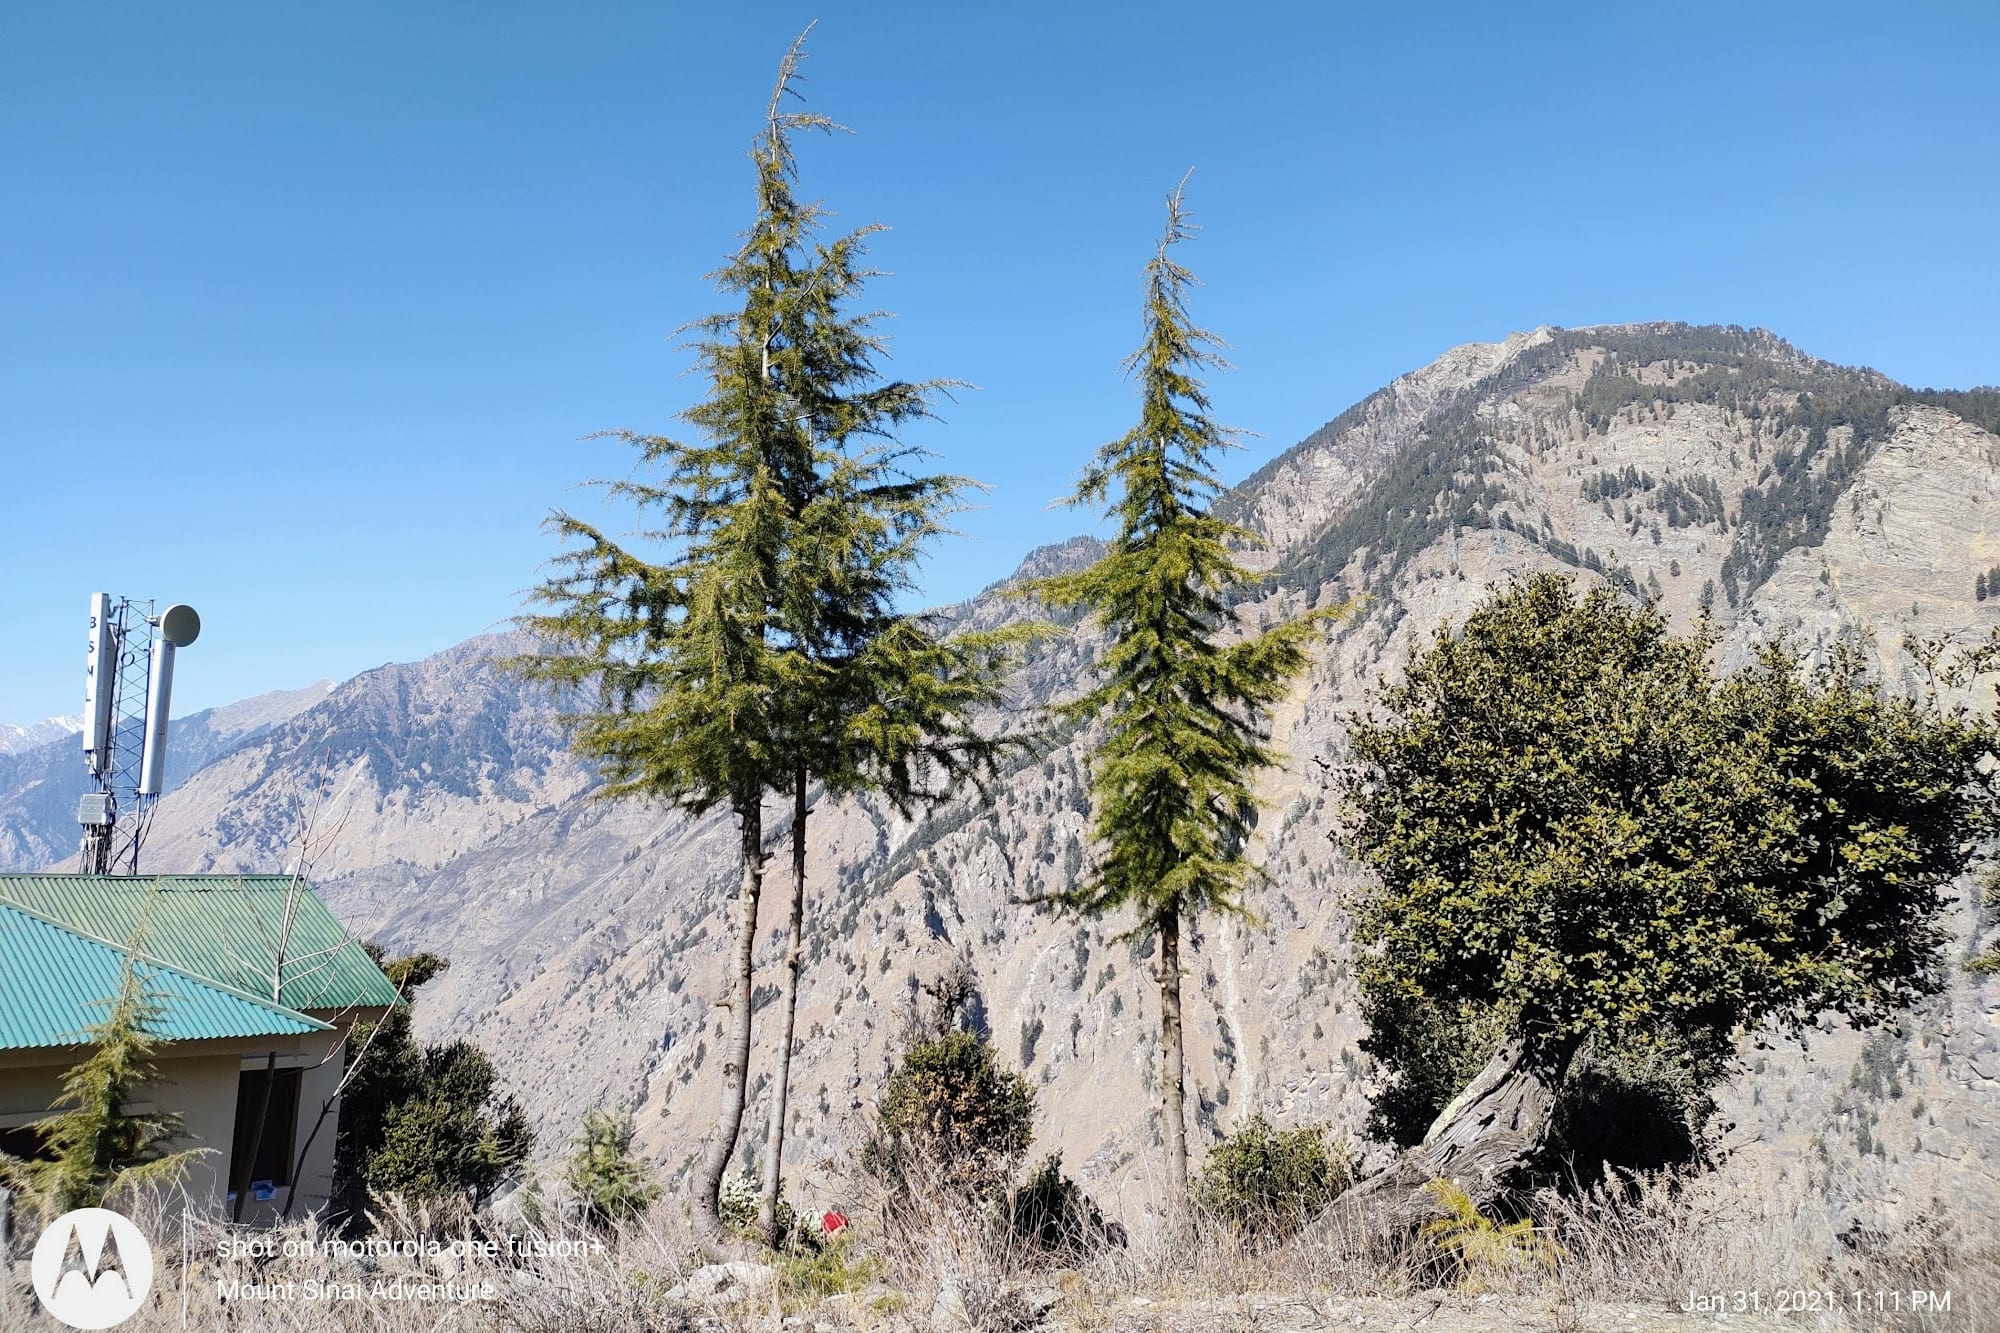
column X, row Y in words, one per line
column 179, row 627
column 128, row 690
column 100, row 666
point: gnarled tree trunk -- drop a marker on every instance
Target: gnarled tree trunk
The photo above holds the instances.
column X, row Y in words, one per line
column 774, row 1173
column 1480, row 1140
column 736, row 1061
column 1500, row 1120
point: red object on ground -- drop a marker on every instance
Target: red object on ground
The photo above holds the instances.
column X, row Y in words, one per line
column 831, row 1222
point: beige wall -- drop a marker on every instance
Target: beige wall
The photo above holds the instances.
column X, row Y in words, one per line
column 27, row 1093
column 203, row 1092
column 199, row 1082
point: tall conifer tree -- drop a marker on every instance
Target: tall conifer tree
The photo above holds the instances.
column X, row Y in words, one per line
column 1183, row 690
column 684, row 655
column 884, row 702
column 764, row 651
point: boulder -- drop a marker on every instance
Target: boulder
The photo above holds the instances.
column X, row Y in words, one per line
column 724, row 1284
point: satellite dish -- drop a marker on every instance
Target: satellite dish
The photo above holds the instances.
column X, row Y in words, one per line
column 180, row 626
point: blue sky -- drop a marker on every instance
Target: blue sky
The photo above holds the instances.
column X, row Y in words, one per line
column 305, row 309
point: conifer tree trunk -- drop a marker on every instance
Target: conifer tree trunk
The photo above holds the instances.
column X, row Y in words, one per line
column 736, row 1063
column 1172, row 1062
column 774, row 1174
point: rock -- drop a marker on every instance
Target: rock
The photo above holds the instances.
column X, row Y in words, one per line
column 948, row 1310
column 517, row 1206
column 724, row 1284
column 1040, row 1296
column 990, row 1303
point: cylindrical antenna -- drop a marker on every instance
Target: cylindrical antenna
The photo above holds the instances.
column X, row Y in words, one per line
column 159, row 695
column 100, row 684
column 179, row 627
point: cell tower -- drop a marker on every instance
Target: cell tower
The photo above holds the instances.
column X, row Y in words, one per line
column 128, row 683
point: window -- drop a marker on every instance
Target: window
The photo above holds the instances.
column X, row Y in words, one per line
column 274, row 1146
column 23, row 1142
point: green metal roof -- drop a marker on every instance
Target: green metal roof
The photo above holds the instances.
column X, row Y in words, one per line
column 225, row 929
column 58, row 982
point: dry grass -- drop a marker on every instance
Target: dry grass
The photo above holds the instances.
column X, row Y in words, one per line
column 557, row 1276
column 1659, row 1239
column 1628, row 1258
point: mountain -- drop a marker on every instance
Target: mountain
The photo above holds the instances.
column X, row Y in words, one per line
column 419, row 764
column 40, row 784
column 14, row 739
column 1716, row 468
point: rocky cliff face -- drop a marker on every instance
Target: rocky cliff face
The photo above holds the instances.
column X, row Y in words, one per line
column 1707, row 468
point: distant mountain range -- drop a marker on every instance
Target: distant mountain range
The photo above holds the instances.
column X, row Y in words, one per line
column 14, row 739
column 1697, row 466
column 40, row 782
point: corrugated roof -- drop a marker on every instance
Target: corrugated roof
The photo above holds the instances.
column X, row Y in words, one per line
column 59, row 981
column 224, row 928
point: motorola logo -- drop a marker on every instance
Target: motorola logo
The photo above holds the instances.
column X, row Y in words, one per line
column 92, row 1268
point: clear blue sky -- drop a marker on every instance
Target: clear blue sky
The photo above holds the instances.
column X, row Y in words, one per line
column 305, row 308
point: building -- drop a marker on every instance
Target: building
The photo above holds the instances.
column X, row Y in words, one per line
column 256, row 982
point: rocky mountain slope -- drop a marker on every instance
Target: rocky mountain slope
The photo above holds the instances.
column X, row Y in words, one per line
column 40, row 784
column 1708, row 468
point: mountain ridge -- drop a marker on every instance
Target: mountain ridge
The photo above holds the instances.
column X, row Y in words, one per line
column 1700, row 467
column 40, row 784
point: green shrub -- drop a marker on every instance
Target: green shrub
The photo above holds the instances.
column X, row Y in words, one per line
column 737, row 1203
column 428, row 1122
column 1267, row 1183
column 831, row 1267
column 741, row 1197
column 950, row 1108
column 456, row 1138
column 1052, row 1214
column 612, row 1184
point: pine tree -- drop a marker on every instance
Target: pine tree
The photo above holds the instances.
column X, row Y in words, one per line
column 883, row 701
column 1183, row 689
column 96, row 1147
column 612, row 1184
column 764, row 651
column 683, row 653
